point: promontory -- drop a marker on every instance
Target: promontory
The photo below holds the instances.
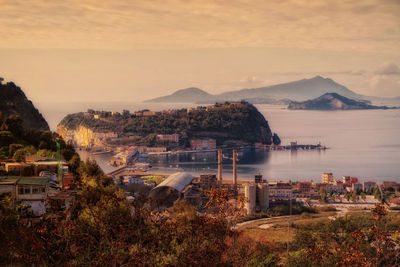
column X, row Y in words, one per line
column 226, row 124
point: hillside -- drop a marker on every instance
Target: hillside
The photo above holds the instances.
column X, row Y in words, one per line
column 300, row 90
column 14, row 102
column 332, row 101
column 223, row 122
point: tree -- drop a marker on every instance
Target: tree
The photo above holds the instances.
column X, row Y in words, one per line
column 13, row 148
column 275, row 139
column 6, row 138
column 74, row 163
column 20, row 155
column 324, row 198
column 14, row 125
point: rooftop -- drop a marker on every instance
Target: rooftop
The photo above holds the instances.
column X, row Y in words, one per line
column 13, row 180
column 177, row 181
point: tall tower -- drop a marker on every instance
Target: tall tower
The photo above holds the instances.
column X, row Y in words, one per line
column 59, row 166
column 220, row 166
column 235, row 170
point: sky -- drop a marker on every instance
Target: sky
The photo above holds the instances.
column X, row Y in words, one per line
column 98, row 50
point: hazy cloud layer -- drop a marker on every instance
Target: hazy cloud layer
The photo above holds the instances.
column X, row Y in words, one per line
column 369, row 25
column 388, row 69
column 386, row 80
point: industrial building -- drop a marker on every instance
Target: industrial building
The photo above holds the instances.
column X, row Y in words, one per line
column 257, row 195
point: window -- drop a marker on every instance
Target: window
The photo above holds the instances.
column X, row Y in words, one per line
column 36, row 190
column 23, row 190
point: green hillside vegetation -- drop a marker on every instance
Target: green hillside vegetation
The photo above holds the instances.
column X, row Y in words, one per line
column 223, row 122
column 18, row 142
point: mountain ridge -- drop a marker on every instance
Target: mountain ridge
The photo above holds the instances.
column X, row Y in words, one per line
column 282, row 93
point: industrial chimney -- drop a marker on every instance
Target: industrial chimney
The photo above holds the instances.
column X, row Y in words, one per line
column 220, row 166
column 234, row 170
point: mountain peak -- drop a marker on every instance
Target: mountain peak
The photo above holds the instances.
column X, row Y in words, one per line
column 299, row 90
column 189, row 95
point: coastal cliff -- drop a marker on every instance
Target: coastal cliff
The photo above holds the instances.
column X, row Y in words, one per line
column 83, row 136
column 238, row 122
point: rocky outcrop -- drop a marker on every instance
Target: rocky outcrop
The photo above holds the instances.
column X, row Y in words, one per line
column 14, row 102
column 84, row 137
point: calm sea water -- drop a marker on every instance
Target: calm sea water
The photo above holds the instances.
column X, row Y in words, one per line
column 364, row 143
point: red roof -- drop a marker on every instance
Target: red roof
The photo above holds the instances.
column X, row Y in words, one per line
column 353, row 180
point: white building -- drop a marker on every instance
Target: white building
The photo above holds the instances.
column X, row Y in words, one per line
column 29, row 190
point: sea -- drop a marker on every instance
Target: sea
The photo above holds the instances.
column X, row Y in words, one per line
column 361, row 143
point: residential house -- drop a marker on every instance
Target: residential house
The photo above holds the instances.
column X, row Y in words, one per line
column 29, row 190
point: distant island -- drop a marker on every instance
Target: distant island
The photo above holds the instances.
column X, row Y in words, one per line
column 227, row 123
column 284, row 93
column 332, row 101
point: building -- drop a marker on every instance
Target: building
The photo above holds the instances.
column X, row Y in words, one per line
column 346, row 180
column 336, row 187
column 280, row 190
column 19, row 168
column 390, row 185
column 200, row 144
column 29, row 190
column 304, row 187
column 369, row 185
column 146, row 149
column 353, row 180
column 258, row 178
column 149, row 113
column 257, row 196
column 168, row 138
column 61, row 201
column 171, row 189
column 356, row 186
column 129, row 179
column 327, row 178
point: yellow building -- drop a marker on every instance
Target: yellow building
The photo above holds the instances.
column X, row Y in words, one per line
column 327, row 178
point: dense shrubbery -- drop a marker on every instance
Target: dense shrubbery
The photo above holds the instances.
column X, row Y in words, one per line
column 104, row 229
column 18, row 142
column 240, row 121
column 357, row 240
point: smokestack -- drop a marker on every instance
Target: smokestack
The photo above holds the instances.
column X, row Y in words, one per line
column 220, row 166
column 234, row 170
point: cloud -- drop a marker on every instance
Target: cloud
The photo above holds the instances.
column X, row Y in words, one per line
column 385, row 81
column 251, row 81
column 388, row 69
column 175, row 24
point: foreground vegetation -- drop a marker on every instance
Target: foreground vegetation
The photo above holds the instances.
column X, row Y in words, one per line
column 104, row 229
